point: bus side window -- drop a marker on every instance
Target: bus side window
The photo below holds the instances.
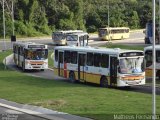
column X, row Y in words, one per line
column 82, row 59
column 105, row 61
column 148, row 58
column 158, row 56
column 67, row 57
column 56, row 55
column 97, row 59
column 61, row 57
column 90, row 59
column 74, row 57
column 21, row 51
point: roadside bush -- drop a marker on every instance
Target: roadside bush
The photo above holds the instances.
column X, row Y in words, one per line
column 45, row 30
column 20, row 28
column 92, row 29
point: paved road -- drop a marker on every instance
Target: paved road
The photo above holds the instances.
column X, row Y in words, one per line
column 135, row 38
column 9, row 114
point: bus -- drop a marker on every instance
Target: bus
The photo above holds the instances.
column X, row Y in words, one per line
column 29, row 55
column 113, row 33
column 59, row 37
column 103, row 66
column 149, row 63
column 77, row 39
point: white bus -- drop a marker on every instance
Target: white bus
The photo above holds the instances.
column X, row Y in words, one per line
column 59, row 37
column 77, row 39
column 29, row 55
column 149, row 63
column 104, row 66
column 113, row 33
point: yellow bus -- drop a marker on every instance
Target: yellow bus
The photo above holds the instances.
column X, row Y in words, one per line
column 104, row 66
column 29, row 55
column 113, row 33
column 149, row 63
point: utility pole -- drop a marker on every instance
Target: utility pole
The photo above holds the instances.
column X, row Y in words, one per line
column 4, row 28
column 108, row 25
column 153, row 70
column 159, row 25
column 13, row 16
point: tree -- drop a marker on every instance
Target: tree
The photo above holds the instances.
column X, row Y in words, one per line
column 134, row 20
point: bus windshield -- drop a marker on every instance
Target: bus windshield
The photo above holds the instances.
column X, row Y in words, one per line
column 103, row 32
column 72, row 38
column 37, row 54
column 131, row 65
column 58, row 36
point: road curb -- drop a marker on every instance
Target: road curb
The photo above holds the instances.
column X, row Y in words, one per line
column 30, row 112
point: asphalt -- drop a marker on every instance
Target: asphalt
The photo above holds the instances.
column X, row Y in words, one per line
column 36, row 110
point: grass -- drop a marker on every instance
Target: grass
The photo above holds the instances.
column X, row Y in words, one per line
column 21, row 38
column 123, row 46
column 80, row 99
column 50, row 60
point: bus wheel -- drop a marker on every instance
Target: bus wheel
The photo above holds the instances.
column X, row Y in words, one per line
column 23, row 67
column 104, row 82
column 72, row 77
column 42, row 69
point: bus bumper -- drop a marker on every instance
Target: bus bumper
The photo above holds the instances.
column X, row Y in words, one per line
column 123, row 83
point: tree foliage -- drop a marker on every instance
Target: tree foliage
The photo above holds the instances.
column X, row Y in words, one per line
column 34, row 17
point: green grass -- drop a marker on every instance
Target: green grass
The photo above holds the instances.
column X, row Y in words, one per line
column 110, row 45
column 50, row 60
column 80, row 99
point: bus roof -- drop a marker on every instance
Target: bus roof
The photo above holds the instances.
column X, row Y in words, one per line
column 150, row 47
column 79, row 33
column 26, row 44
column 97, row 49
column 68, row 31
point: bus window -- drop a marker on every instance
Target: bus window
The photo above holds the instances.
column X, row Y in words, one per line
column 82, row 59
column 158, row 56
column 90, row 59
column 97, row 59
column 67, row 57
column 74, row 57
column 105, row 61
column 39, row 54
column 61, row 57
column 56, row 55
column 148, row 57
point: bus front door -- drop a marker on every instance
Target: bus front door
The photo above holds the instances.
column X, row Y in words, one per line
column 60, row 64
column 81, row 66
column 113, row 70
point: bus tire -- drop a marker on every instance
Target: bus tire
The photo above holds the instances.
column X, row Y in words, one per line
column 23, row 67
column 42, row 69
column 103, row 82
column 72, row 77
